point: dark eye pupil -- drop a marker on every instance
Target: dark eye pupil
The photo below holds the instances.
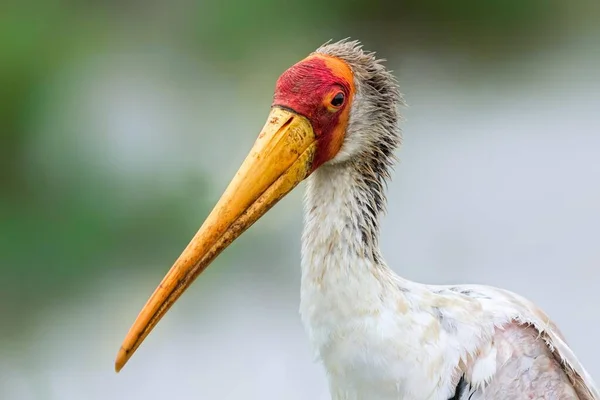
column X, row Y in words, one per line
column 338, row 100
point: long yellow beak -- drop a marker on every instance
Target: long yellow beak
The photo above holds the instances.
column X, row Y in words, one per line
column 280, row 159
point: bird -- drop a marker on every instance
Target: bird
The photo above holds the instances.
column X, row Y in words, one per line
column 335, row 123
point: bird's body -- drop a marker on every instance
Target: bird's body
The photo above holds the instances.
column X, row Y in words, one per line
column 381, row 337
column 334, row 122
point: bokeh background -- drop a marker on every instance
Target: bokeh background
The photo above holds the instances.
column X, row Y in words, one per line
column 121, row 122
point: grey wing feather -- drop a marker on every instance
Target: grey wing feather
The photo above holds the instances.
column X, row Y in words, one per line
column 532, row 359
column 526, row 368
column 580, row 379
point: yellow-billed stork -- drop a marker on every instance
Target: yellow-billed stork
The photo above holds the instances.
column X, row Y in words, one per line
column 334, row 122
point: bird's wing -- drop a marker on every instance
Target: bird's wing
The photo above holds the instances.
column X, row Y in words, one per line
column 525, row 353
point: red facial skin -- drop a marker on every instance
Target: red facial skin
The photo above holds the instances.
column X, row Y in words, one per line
column 308, row 88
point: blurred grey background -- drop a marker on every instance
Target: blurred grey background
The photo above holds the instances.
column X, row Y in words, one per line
column 122, row 122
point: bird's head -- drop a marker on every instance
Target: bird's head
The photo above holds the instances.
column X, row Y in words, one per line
column 349, row 98
column 338, row 105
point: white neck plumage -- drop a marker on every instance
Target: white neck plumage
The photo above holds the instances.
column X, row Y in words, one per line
column 339, row 219
column 340, row 246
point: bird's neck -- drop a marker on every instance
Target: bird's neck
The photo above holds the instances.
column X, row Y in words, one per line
column 341, row 223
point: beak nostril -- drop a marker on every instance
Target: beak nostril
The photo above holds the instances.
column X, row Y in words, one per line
column 287, row 123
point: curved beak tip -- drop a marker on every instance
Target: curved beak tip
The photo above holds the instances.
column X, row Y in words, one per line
column 121, row 359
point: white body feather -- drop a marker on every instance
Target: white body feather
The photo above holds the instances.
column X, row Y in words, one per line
column 381, row 337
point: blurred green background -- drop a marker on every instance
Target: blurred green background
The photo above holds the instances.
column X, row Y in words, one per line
column 122, row 122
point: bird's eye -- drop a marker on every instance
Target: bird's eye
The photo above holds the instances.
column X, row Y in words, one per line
column 338, row 99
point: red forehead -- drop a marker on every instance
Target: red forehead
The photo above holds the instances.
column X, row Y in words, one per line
column 304, row 87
